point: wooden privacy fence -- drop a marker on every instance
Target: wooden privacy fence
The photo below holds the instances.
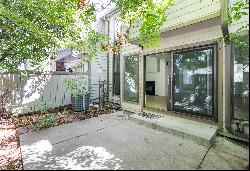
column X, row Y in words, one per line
column 28, row 94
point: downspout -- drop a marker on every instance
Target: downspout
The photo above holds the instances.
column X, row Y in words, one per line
column 224, row 120
column 106, row 18
column 108, row 61
column 108, row 25
column 224, row 17
column 144, row 78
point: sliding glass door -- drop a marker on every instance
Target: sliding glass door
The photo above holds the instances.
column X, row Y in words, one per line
column 193, row 81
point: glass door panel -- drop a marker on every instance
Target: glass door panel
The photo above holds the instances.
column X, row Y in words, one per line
column 131, row 80
column 156, row 80
column 193, row 81
column 240, row 54
column 116, row 74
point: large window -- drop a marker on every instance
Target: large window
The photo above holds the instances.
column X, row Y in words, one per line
column 131, row 78
column 193, row 81
column 240, row 78
column 116, row 74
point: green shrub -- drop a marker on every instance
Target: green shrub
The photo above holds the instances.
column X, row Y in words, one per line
column 77, row 87
column 16, row 111
column 48, row 121
column 44, row 107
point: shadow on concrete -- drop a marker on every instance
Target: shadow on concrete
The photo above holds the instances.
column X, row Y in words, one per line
column 40, row 155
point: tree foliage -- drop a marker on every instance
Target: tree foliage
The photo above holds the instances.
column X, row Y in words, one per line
column 32, row 30
column 238, row 10
column 152, row 14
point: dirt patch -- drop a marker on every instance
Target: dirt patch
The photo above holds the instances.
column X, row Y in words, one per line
column 10, row 152
column 37, row 121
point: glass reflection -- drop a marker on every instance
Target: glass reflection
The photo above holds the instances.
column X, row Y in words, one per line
column 240, row 54
column 116, row 74
column 131, row 78
column 193, row 81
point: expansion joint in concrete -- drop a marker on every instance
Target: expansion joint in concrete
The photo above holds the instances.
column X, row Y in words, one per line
column 204, row 158
column 85, row 134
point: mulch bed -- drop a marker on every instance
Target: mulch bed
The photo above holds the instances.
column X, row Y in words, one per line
column 10, row 152
column 27, row 123
column 11, row 127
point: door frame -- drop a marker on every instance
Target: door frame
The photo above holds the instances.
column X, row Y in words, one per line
column 137, row 55
column 169, row 101
column 214, row 115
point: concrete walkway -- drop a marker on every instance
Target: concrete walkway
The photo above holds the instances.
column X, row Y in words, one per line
column 200, row 132
column 114, row 142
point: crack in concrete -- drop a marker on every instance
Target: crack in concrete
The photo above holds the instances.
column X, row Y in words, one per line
column 204, row 158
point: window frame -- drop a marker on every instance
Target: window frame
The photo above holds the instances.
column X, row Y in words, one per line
column 138, row 81
column 214, row 81
column 113, row 73
column 232, row 113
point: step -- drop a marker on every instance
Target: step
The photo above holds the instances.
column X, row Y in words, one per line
column 202, row 133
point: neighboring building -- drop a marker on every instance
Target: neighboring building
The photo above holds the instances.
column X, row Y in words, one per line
column 67, row 61
column 192, row 72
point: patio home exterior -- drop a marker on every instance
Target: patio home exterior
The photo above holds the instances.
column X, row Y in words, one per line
column 192, row 73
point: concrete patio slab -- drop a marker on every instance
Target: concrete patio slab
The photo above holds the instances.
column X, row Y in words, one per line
column 68, row 131
column 115, row 143
column 216, row 160
column 227, row 146
column 202, row 133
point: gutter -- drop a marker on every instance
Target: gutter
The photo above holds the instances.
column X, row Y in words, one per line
column 110, row 13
